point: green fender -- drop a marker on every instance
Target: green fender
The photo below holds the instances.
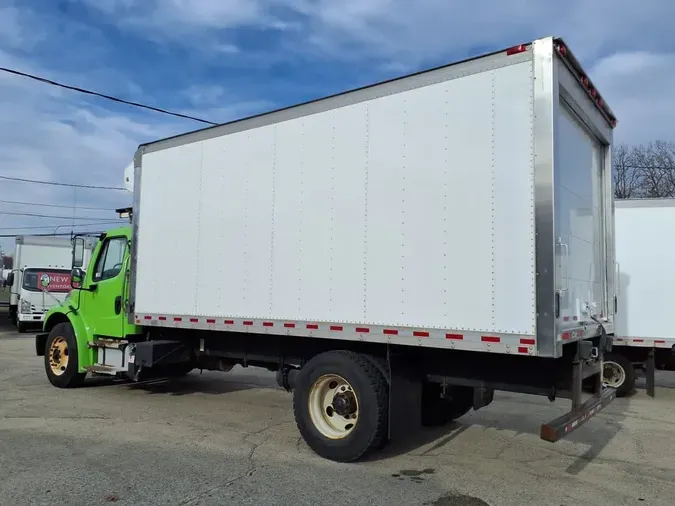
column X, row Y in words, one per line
column 61, row 314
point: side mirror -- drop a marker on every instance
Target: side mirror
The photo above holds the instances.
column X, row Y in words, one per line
column 78, row 252
column 10, row 279
column 76, row 278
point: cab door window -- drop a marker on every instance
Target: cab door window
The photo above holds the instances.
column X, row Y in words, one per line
column 109, row 263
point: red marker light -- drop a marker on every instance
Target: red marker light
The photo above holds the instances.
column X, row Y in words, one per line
column 562, row 50
column 593, row 92
column 584, row 81
column 521, row 48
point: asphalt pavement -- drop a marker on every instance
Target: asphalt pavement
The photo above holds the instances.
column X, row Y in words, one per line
column 219, row 439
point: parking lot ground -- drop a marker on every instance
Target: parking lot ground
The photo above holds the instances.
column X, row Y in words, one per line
column 230, row 438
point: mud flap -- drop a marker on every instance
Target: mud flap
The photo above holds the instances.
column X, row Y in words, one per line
column 405, row 397
column 40, row 344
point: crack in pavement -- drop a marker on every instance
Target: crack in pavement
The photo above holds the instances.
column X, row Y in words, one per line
column 251, row 469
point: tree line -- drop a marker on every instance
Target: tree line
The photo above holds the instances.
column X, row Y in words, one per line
column 644, row 171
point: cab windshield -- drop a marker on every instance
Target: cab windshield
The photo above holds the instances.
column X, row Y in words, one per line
column 46, row 280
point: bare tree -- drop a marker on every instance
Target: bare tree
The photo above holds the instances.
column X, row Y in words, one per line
column 625, row 177
column 644, row 171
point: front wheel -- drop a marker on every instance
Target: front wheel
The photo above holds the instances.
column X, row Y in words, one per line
column 61, row 361
column 618, row 372
column 20, row 327
column 341, row 405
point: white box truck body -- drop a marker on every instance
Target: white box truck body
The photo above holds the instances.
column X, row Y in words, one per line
column 645, row 239
column 443, row 204
column 405, row 248
column 40, row 277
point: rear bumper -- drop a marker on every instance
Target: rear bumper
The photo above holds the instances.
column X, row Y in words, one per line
column 560, row 427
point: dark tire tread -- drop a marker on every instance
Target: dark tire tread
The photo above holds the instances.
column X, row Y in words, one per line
column 380, row 388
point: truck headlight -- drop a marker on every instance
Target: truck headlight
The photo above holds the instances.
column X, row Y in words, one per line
column 25, row 306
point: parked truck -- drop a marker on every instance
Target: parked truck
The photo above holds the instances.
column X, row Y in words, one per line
column 39, row 279
column 396, row 253
column 644, row 341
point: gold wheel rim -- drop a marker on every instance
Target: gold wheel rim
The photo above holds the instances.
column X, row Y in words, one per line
column 58, row 356
column 331, row 421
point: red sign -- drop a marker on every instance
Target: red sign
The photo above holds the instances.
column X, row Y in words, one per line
column 53, row 281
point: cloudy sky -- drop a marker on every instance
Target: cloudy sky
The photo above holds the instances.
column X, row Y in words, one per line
column 225, row 59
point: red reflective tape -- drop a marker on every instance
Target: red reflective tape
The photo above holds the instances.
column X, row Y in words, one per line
column 659, row 341
column 390, row 332
column 162, row 318
column 490, row 339
column 638, row 340
column 268, row 324
column 229, row 322
column 362, row 330
column 177, row 319
column 336, row 328
column 527, row 341
column 565, row 336
column 248, row 324
column 210, row 321
column 289, row 325
column 147, row 317
column 522, row 349
column 420, row 334
column 312, row 326
column 456, row 337
column 194, row 320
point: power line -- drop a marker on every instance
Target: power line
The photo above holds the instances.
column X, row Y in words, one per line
column 102, row 95
column 55, row 183
column 59, row 233
column 62, row 225
column 36, row 215
column 39, row 204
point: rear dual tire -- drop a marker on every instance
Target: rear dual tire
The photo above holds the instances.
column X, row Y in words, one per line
column 341, row 405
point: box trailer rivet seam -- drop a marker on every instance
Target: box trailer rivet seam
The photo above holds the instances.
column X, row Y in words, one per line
column 402, row 237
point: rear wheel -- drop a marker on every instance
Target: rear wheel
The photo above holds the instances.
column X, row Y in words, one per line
column 618, row 372
column 341, row 406
column 61, row 361
column 439, row 408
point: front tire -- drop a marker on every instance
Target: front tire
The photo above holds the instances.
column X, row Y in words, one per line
column 21, row 327
column 341, row 405
column 61, row 360
column 618, row 372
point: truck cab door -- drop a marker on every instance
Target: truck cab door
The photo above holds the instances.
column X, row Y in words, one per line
column 104, row 301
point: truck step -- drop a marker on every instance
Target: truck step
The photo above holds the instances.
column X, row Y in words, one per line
column 103, row 369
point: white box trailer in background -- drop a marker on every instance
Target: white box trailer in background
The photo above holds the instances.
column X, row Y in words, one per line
column 420, row 241
column 645, row 335
column 40, row 277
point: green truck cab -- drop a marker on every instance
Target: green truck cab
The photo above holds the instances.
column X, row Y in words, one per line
column 96, row 311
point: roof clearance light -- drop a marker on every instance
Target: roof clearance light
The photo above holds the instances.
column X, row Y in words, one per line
column 593, row 92
column 613, row 122
column 521, row 48
column 600, row 102
column 562, row 50
column 584, row 81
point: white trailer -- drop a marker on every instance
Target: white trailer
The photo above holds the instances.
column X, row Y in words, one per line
column 40, row 278
column 396, row 253
column 645, row 337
